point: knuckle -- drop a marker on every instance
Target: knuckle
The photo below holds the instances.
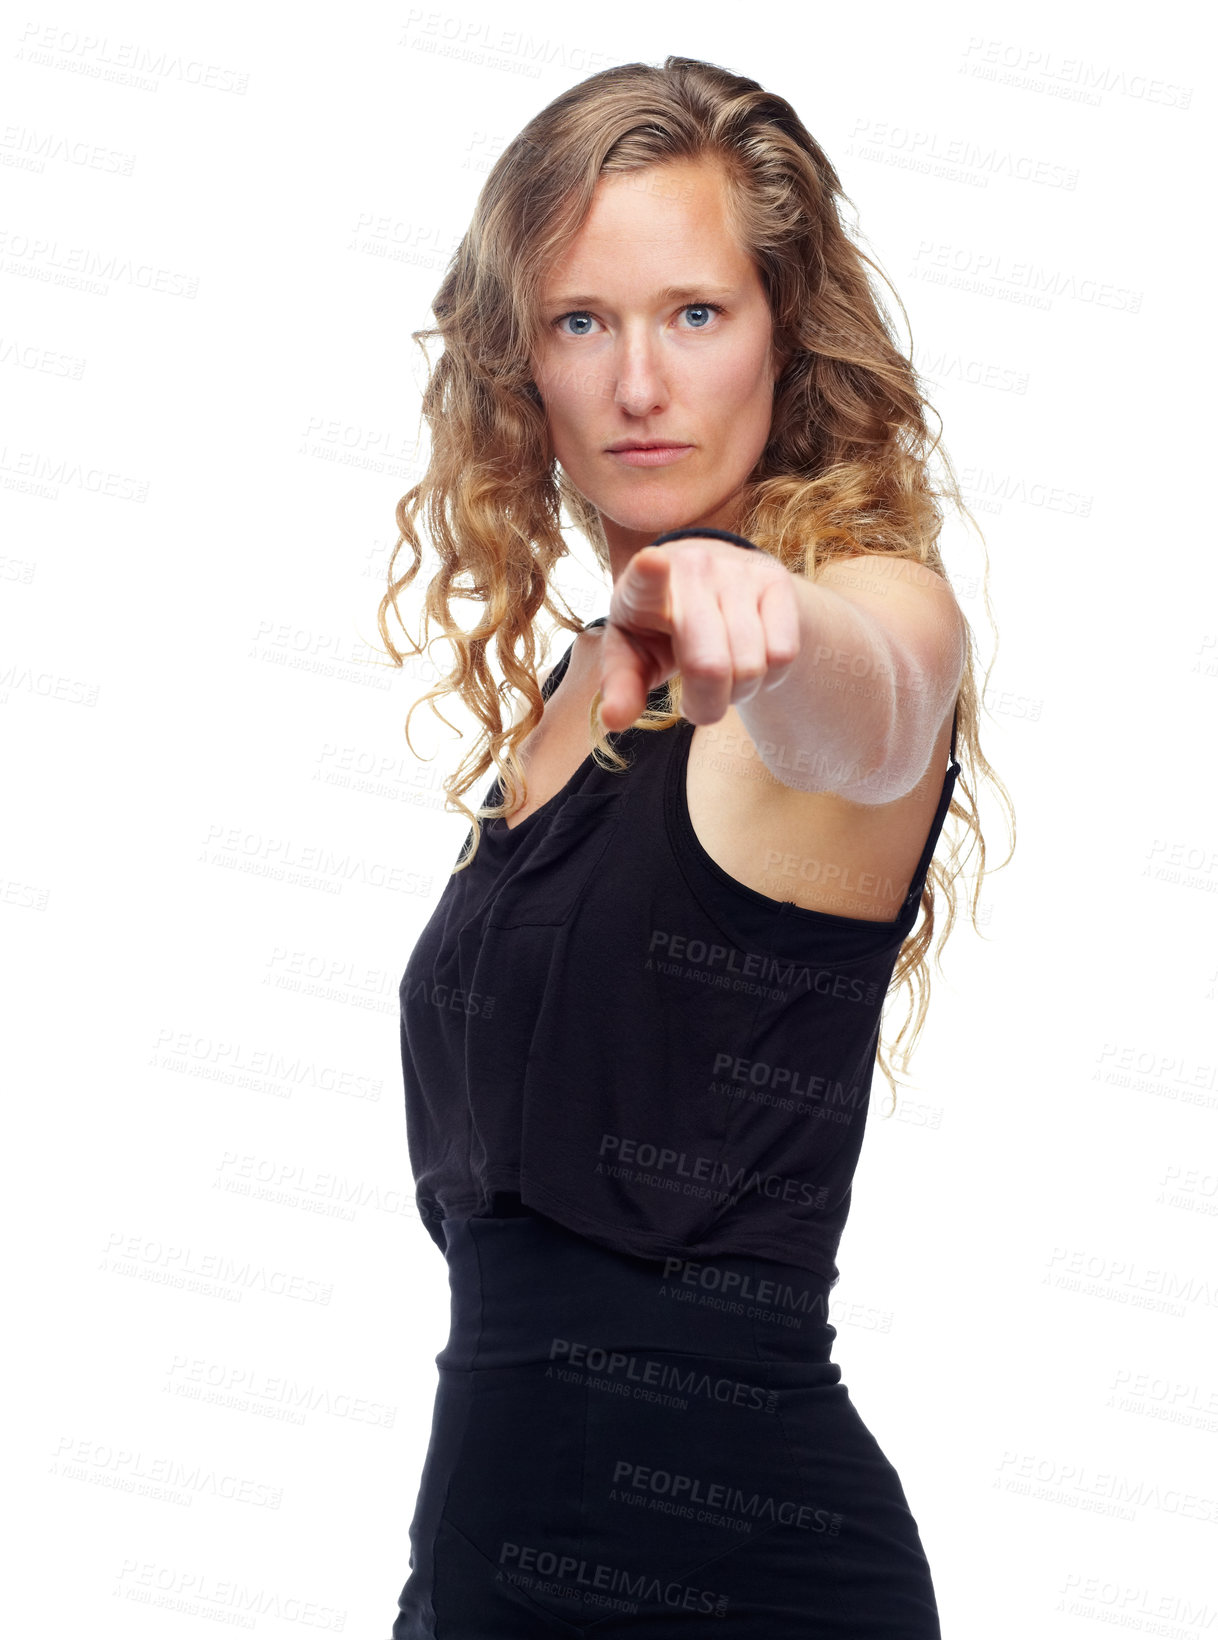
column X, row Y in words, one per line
column 706, row 671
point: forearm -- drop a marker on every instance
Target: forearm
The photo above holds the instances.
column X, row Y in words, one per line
column 855, row 714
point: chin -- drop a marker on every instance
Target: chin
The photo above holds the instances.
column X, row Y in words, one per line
column 651, row 523
column 653, row 514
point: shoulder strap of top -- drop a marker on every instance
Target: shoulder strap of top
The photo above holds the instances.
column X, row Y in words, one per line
column 936, row 825
column 557, row 671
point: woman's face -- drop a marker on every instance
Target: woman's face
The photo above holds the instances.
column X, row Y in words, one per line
column 656, row 329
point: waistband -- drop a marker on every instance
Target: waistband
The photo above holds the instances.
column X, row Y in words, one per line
column 526, row 1290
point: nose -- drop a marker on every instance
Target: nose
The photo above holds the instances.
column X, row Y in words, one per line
column 640, row 388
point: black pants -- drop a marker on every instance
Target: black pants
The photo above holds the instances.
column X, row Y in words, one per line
column 623, row 1447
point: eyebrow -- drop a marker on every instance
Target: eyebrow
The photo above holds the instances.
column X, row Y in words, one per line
column 670, row 293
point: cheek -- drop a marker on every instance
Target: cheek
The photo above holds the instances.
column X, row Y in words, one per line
column 567, row 430
column 741, row 375
column 741, row 390
column 567, row 400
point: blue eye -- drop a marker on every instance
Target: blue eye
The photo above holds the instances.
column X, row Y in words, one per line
column 584, row 319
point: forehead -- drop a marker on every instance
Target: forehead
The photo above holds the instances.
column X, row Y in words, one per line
column 656, row 222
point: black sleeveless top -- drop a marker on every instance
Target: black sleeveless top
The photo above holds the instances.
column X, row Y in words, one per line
column 599, row 1019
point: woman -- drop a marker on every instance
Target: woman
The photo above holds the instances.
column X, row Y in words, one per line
column 639, row 1030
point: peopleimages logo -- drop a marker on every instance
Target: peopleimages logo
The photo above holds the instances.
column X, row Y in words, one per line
column 598, row 1581
column 631, row 1158
column 1032, row 68
column 701, row 959
column 670, row 1375
column 721, row 1501
column 990, row 273
column 957, row 158
column 756, row 1073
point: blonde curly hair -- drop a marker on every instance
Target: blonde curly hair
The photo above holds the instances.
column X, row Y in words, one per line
column 848, row 464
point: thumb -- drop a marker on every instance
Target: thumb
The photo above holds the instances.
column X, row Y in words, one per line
column 643, row 596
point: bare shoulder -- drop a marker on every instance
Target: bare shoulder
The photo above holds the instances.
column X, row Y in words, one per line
column 913, row 600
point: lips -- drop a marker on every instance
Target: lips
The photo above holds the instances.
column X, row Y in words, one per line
column 648, row 444
column 649, row 455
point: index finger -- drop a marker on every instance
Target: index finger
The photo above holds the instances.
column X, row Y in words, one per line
column 624, row 685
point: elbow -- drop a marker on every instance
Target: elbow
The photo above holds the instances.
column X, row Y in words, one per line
column 920, row 693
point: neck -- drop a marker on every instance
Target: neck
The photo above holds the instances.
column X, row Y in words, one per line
column 624, row 543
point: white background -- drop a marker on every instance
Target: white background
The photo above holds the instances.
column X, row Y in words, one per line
column 218, row 231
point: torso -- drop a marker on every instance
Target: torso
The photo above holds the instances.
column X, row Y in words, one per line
column 815, row 849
